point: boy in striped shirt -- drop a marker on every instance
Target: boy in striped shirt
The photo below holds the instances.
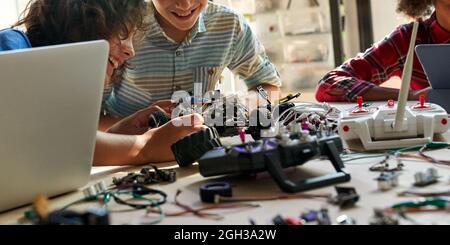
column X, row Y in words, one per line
column 190, row 42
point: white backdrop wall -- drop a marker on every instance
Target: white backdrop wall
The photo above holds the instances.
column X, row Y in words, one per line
column 10, row 10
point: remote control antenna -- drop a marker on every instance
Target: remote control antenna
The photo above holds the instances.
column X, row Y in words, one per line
column 406, row 81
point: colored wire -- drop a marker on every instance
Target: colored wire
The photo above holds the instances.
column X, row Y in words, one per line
column 416, row 210
column 400, row 152
column 361, row 158
column 78, row 202
column 162, row 216
column 200, row 212
column 271, row 198
column 138, row 194
column 425, row 194
column 424, row 157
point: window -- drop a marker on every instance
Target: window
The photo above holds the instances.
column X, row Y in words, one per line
column 10, row 11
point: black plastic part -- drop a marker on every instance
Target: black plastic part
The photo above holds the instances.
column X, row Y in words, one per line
column 147, row 176
column 346, row 197
column 191, row 148
column 208, row 192
column 271, row 157
column 278, row 220
column 274, row 168
column 67, row 217
column 323, row 217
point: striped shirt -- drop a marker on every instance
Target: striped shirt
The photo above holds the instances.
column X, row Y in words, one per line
column 220, row 39
column 384, row 60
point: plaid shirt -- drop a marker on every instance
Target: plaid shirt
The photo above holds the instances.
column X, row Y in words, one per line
column 382, row 61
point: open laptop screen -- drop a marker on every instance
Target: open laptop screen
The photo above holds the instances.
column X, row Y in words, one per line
column 435, row 59
column 50, row 99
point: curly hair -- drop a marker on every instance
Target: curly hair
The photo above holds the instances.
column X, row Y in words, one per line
column 52, row 22
column 415, row 8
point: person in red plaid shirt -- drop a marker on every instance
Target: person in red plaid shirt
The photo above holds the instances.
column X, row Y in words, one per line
column 362, row 75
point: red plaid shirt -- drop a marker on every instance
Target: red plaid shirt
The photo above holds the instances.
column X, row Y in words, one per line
column 381, row 62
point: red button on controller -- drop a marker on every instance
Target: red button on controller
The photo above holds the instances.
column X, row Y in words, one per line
column 360, row 106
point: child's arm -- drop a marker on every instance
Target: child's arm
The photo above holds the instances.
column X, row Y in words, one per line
column 363, row 74
column 107, row 122
column 137, row 123
column 151, row 147
column 115, row 149
column 250, row 61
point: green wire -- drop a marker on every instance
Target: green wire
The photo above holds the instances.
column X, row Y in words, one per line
column 162, row 216
column 107, row 199
column 360, row 158
column 86, row 199
column 432, row 145
column 438, row 202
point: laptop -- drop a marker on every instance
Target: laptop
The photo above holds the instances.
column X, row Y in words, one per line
column 50, row 101
column 435, row 59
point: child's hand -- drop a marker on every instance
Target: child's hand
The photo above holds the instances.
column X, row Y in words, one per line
column 166, row 105
column 160, row 140
column 136, row 124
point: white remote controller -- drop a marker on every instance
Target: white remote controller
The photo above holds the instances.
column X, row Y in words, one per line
column 395, row 126
column 375, row 126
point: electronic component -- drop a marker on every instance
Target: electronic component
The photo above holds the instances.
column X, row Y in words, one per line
column 429, row 177
column 210, row 192
column 93, row 216
column 345, row 220
column 346, row 197
column 138, row 197
column 309, row 216
column 385, row 166
column 147, row 176
column 40, row 215
column 295, row 134
column 383, row 218
column 95, row 190
column 273, row 155
column 318, row 119
column 278, row 220
column 226, row 114
column 323, row 217
column 294, row 221
column 100, row 187
column 387, row 180
column 375, row 128
column 393, row 126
